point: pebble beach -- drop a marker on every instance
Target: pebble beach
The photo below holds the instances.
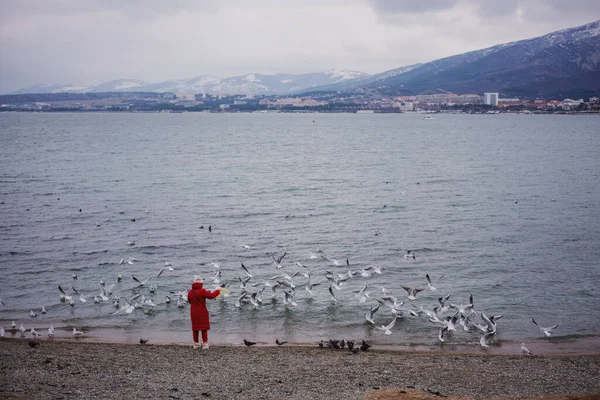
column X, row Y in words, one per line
column 68, row 369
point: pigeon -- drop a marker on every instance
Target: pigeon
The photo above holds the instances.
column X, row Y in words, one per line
column 279, row 343
column 143, row 341
column 248, row 343
column 364, row 346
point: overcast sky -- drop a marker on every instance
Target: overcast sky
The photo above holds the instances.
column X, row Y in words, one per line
column 79, row 41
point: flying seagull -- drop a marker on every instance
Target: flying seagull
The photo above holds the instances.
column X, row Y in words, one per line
column 547, row 331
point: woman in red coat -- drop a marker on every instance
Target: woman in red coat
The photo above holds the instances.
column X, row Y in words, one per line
column 198, row 312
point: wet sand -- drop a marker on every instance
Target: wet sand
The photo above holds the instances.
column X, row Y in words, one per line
column 73, row 370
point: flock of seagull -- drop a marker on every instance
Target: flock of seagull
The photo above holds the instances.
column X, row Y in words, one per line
column 447, row 317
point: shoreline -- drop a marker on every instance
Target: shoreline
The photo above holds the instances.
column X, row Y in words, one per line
column 73, row 369
column 552, row 346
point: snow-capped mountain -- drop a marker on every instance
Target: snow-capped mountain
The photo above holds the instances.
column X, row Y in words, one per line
column 119, row 85
column 562, row 63
column 243, row 84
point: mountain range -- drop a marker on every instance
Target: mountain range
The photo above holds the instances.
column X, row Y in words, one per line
column 562, row 63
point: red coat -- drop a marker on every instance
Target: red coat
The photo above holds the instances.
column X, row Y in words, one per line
column 197, row 299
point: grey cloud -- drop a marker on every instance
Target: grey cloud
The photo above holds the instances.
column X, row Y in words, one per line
column 136, row 9
column 384, row 7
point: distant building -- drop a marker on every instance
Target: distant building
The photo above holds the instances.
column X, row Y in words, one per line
column 594, row 100
column 404, row 105
column 490, row 99
column 224, row 106
column 572, row 103
column 239, row 102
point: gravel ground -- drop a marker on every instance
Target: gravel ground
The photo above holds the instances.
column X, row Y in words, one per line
column 72, row 370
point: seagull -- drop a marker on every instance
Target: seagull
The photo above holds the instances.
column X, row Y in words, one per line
column 412, row 292
column 245, row 246
column 362, row 294
column 2, row 302
column 525, row 350
column 34, row 333
column 547, row 331
column 410, row 254
column 333, row 260
column 443, row 330
column 119, row 278
column 289, row 298
column 278, row 260
column 74, row 276
column 246, row 271
column 51, row 332
column 77, row 333
column 333, row 298
column 2, row 332
column 248, row 343
column 483, row 341
column 279, row 343
column 32, row 314
column 391, row 302
column 387, row 328
column 462, row 308
column 131, row 260
column 131, row 243
column 140, row 283
column 81, row 297
column 63, row 295
column 22, row 330
column 309, row 286
column 369, row 314
column 430, row 286
column 44, row 310
column 442, row 300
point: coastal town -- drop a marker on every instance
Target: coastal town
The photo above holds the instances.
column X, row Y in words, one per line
column 362, row 101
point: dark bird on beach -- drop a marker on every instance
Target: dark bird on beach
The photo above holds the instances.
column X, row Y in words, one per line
column 33, row 343
column 335, row 344
column 210, row 228
column 364, row 346
column 248, row 343
column 143, row 341
column 350, row 344
column 355, row 350
column 321, row 344
column 279, row 343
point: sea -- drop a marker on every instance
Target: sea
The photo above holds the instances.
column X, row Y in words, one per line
column 505, row 208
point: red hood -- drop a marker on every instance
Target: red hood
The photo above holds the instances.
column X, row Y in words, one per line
column 196, row 285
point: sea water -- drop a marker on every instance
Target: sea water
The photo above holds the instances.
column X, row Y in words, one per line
column 504, row 207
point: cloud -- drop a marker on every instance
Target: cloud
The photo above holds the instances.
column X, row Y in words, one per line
column 78, row 41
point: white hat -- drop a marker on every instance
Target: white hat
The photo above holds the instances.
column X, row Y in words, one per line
column 198, row 278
